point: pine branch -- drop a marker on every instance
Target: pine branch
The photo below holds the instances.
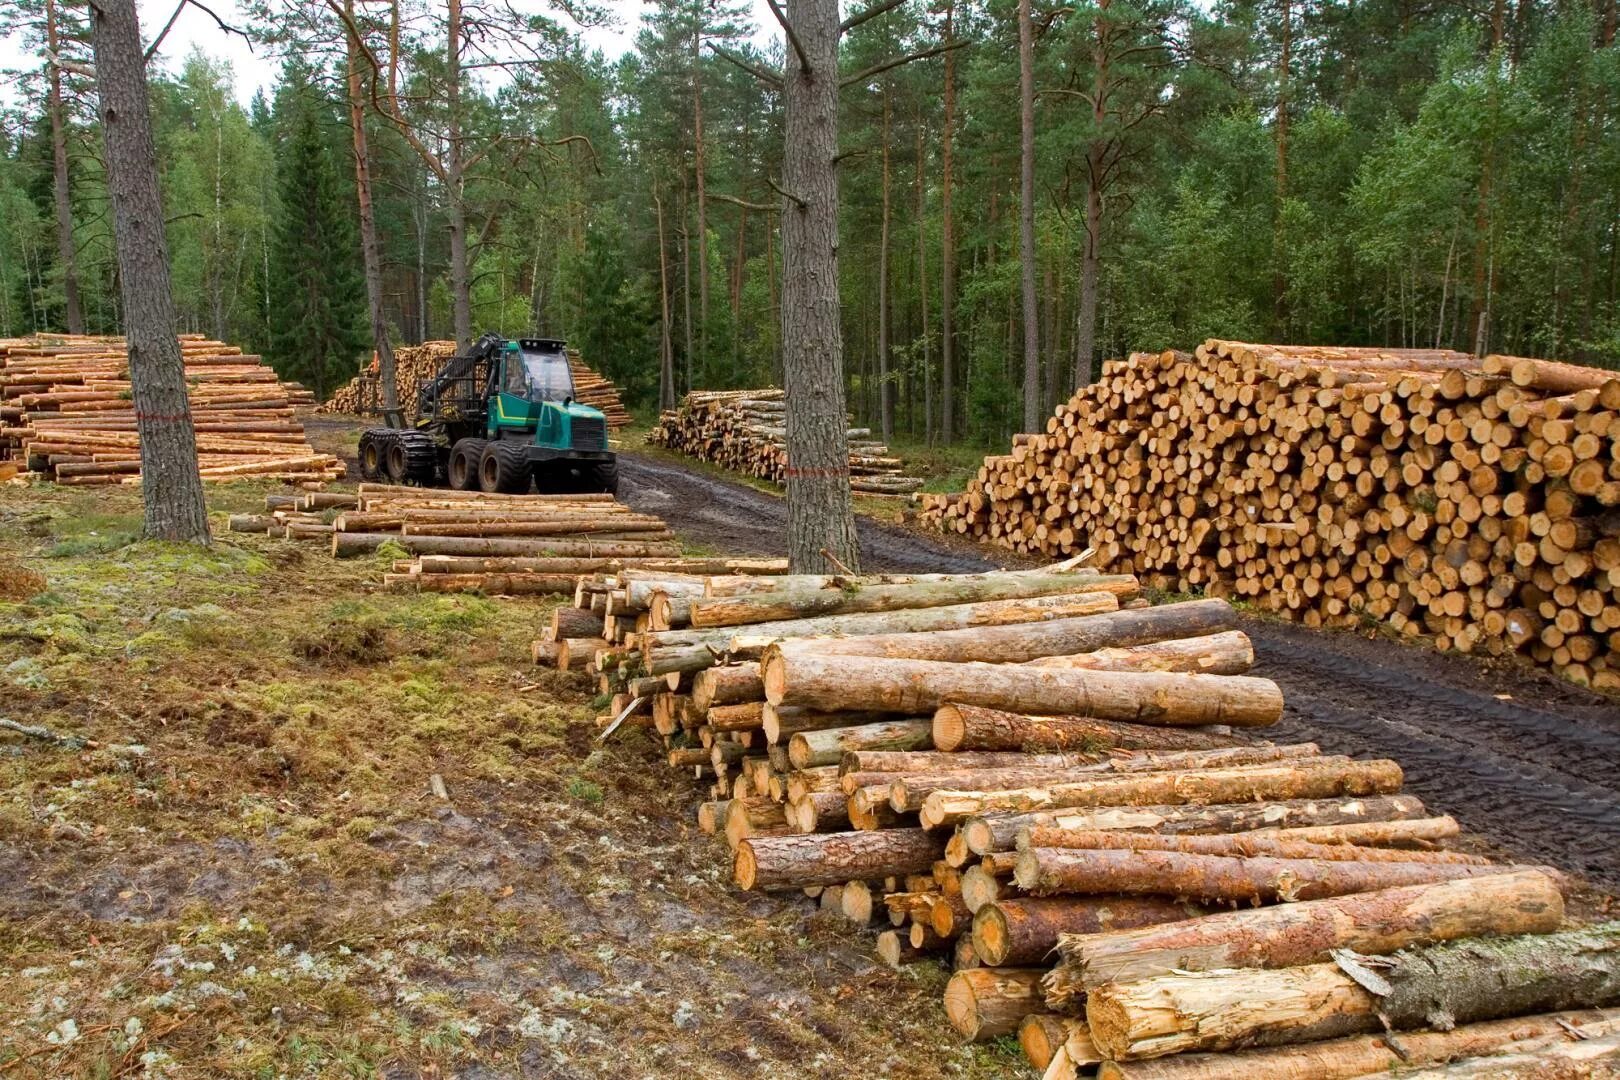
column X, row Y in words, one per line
column 899, row 61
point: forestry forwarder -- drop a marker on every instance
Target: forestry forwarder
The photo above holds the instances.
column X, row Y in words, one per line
column 494, row 419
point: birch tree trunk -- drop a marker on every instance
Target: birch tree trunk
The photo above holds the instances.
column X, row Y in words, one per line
column 820, row 517
column 171, row 488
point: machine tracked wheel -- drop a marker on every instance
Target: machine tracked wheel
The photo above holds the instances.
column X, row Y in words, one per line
column 411, row 458
column 373, row 452
column 504, row 469
column 466, row 458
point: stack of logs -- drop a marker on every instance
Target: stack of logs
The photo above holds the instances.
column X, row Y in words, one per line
column 1055, row 788
column 1471, row 500
column 418, row 364
column 745, row 431
column 467, row 541
column 66, row 411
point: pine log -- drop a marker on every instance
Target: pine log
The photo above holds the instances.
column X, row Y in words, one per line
column 921, row 761
column 999, row 832
column 572, row 622
column 1031, row 640
column 819, row 811
column 1227, row 653
column 1041, row 1035
column 780, row 725
column 727, row 684
column 1454, row 983
column 1019, row 931
column 744, row 716
column 350, row 544
column 983, row 1003
column 1050, row 871
column 1364, row 1055
column 693, row 650
column 1233, row 844
column 909, row 791
column 972, row 727
column 1590, row 1059
column 1314, row 778
column 808, row 749
column 786, row 862
column 921, row 686
column 800, row 603
column 1375, row 922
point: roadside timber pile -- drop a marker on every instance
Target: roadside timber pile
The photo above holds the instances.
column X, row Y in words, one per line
column 1475, row 501
column 1057, row 789
column 746, row 431
column 467, row 541
column 66, row 413
column 418, row 364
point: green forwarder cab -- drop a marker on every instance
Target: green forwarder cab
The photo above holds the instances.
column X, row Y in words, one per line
column 497, row 418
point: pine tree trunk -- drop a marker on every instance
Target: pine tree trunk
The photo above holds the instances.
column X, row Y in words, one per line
column 386, row 374
column 820, row 516
column 885, row 391
column 947, row 299
column 171, row 488
column 1026, row 218
column 922, row 288
column 699, row 167
column 65, row 253
column 666, row 349
column 455, row 181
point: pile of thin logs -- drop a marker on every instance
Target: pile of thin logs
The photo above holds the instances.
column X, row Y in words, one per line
column 746, row 431
column 464, row 541
column 1473, row 501
column 1057, row 789
column 66, row 412
column 415, row 365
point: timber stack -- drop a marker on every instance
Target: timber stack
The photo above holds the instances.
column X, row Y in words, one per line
column 469, row 541
column 66, row 412
column 418, row 364
column 1473, row 501
column 1059, row 792
column 746, row 431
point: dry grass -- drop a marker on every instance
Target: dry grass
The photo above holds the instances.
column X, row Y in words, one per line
column 246, row 874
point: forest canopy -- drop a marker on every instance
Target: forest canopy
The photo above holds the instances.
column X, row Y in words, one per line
column 1379, row 172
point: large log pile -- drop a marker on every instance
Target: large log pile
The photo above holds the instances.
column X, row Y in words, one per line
column 1059, row 791
column 1474, row 501
column 418, row 364
column 746, row 431
column 66, row 412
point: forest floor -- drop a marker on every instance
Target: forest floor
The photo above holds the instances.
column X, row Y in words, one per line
column 245, row 872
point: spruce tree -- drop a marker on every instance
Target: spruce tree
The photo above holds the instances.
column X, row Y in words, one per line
column 318, row 327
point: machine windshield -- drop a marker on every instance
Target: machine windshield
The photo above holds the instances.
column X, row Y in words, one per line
column 548, row 375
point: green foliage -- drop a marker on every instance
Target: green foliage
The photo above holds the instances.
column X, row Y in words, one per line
column 317, row 287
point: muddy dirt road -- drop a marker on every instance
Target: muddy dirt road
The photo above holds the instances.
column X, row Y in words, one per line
column 1529, row 763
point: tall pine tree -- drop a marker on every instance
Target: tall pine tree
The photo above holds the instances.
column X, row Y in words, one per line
column 318, row 328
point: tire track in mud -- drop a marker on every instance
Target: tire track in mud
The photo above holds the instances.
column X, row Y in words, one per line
column 1541, row 783
column 735, row 518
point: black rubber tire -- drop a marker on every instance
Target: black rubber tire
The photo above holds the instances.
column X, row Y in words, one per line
column 465, row 459
column 504, row 469
column 396, row 462
column 607, row 478
column 371, row 456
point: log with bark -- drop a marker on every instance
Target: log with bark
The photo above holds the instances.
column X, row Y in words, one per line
column 921, row 686
column 784, row 862
column 1454, row 983
column 1378, row 921
column 985, row 833
column 972, row 727
column 1020, row 931
column 1312, row 778
column 1366, row 1055
column 984, row 1002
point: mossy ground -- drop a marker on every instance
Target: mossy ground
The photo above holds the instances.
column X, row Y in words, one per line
column 246, row 872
